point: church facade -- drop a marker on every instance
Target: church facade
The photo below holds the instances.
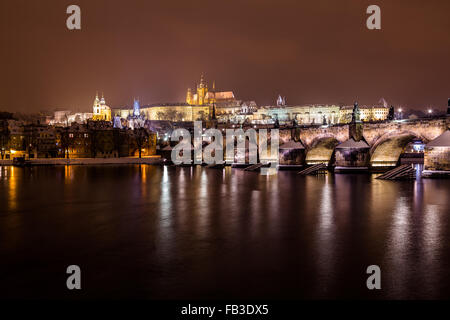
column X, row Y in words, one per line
column 100, row 110
column 203, row 96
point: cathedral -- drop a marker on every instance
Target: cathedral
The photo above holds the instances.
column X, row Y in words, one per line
column 205, row 97
column 100, row 110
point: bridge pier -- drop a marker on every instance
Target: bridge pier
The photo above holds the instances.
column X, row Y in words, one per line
column 291, row 153
column 352, row 156
column 386, row 141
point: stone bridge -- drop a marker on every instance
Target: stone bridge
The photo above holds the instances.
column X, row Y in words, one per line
column 387, row 140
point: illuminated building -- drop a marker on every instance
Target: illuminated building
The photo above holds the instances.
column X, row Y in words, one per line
column 205, row 97
column 224, row 101
column 168, row 112
column 100, row 110
column 308, row 114
column 368, row 113
column 65, row 118
column 136, row 108
column 319, row 114
column 198, row 106
column 201, row 97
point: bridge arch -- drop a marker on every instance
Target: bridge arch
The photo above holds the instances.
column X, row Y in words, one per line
column 387, row 149
column 321, row 150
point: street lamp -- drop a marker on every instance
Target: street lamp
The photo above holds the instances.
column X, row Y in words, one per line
column 430, row 111
column 400, row 111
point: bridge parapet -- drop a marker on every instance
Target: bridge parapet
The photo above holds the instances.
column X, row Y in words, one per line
column 390, row 137
column 425, row 129
column 310, row 136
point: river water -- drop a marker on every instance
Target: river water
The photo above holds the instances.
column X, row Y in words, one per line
column 181, row 233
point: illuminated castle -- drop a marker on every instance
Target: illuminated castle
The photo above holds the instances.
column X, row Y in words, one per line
column 101, row 110
column 205, row 97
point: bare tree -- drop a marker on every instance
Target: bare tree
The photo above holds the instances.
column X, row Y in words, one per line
column 4, row 136
column 140, row 137
column 171, row 115
column 179, row 116
column 160, row 115
column 65, row 141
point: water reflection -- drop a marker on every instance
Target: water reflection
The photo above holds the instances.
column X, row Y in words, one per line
column 198, row 233
column 166, row 200
column 326, row 237
column 399, row 245
column 68, row 177
column 9, row 176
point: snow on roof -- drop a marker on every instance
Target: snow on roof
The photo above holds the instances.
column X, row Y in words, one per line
column 350, row 143
column 292, row 145
column 168, row 148
column 220, row 95
column 442, row 141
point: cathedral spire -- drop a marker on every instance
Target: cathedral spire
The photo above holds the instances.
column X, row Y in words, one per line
column 202, row 81
column 136, row 107
column 96, row 100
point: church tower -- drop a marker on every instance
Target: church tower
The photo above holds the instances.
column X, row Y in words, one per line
column 136, row 108
column 102, row 100
column 189, row 97
column 100, row 110
column 96, row 105
column 202, row 90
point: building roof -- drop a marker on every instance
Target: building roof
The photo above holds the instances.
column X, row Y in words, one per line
column 222, row 95
column 292, row 145
column 365, row 107
column 442, row 141
column 352, row 144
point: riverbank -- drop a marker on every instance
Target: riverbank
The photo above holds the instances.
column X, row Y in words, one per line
column 88, row 161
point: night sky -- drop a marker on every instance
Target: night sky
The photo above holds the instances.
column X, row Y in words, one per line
column 316, row 51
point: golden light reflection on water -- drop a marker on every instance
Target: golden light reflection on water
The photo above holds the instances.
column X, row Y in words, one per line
column 146, row 173
column 11, row 175
column 143, row 169
column 68, row 174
